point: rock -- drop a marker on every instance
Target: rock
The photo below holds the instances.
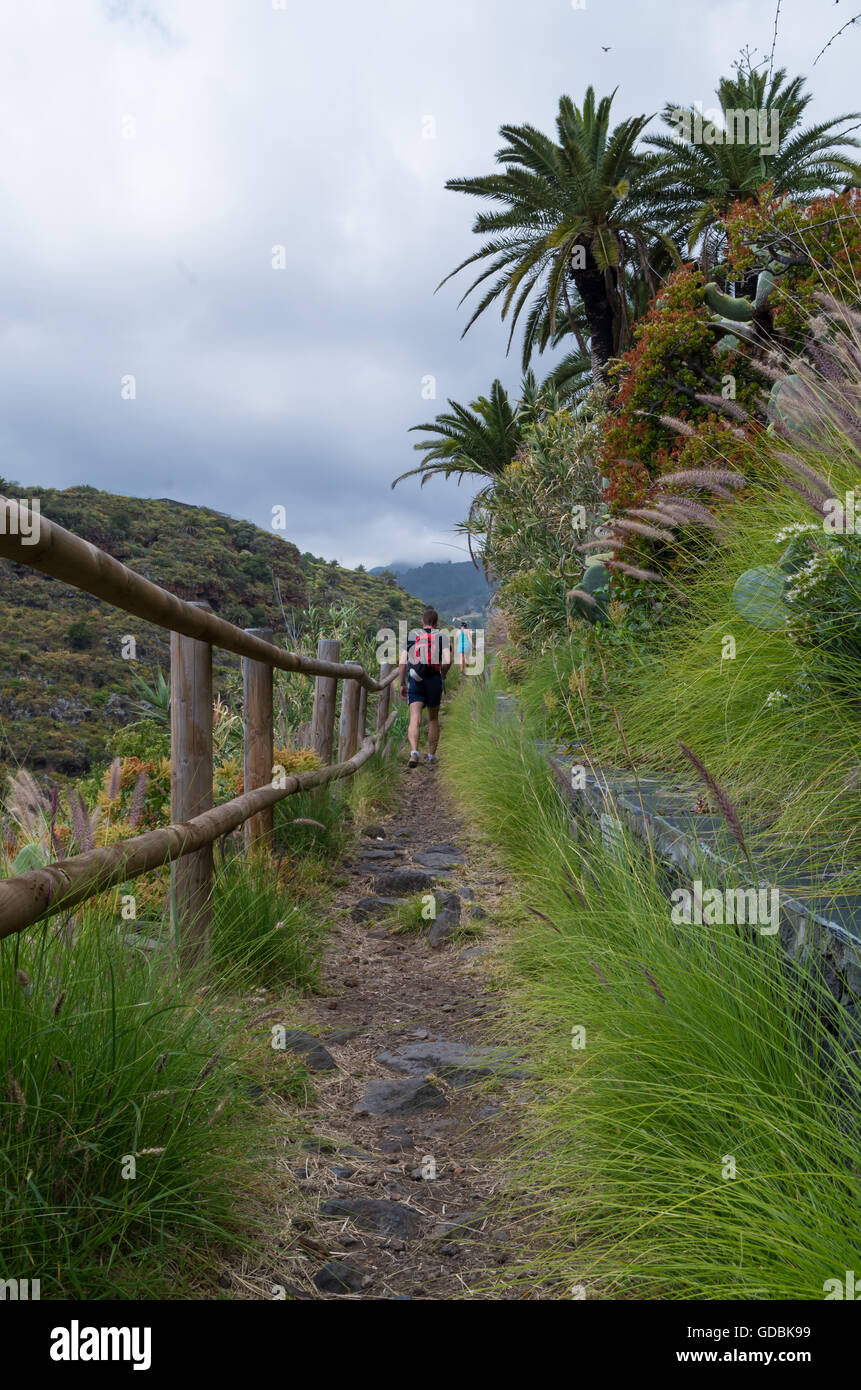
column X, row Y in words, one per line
column 373, row 854
column 489, row 1112
column 404, row 880
column 337, row 1277
column 475, row 953
column 448, row 1008
column 478, row 914
column 419, row 1033
column 447, row 919
column 468, row 1224
column 374, row 832
column 316, row 1144
column 432, row 859
column 341, row 1172
column 403, row 834
column 398, row 1140
column 457, row 1061
column 375, row 1214
column 384, row 1097
column 366, row 909
column 312, row 1051
column 342, row 1035
column 349, row 1151
column 467, row 895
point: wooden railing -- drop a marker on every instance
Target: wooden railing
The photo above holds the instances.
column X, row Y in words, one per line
column 186, row 844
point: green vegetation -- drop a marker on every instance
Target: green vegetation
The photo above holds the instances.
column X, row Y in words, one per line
column 699, row 1139
column 66, row 691
column 130, row 1149
column 125, row 1107
column 455, row 588
column 678, row 588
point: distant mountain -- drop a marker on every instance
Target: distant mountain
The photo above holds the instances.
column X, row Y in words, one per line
column 455, row 588
column 64, row 687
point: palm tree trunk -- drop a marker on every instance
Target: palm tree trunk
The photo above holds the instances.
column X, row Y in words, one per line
column 592, row 289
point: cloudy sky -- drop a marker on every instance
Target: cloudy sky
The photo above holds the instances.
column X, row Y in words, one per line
column 154, row 152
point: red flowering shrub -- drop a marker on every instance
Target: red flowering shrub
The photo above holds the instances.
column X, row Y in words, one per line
column 673, row 357
column 825, row 236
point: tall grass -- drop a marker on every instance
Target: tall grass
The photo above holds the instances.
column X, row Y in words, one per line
column 127, row 1140
column 705, row 1055
column 120, row 1113
column 777, row 722
column 261, row 930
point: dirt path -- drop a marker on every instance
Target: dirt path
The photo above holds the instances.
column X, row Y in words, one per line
column 402, row 1173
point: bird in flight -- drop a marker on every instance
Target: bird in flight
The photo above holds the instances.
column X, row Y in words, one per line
column 607, row 49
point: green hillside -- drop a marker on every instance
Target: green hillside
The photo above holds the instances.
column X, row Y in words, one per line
column 65, row 689
column 456, row 589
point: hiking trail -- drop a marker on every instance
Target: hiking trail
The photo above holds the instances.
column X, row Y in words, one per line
column 398, row 1186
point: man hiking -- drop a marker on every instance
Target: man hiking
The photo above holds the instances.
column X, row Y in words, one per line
column 422, row 674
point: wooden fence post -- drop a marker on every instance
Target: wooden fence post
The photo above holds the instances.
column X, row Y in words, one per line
column 258, row 741
column 325, row 695
column 348, row 733
column 191, row 788
column 384, row 698
column 362, row 720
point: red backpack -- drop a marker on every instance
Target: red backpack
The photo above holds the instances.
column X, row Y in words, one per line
column 425, row 649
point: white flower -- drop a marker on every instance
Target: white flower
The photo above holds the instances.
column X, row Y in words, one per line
column 775, row 697
column 798, row 528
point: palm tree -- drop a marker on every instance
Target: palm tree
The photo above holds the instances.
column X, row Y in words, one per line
column 568, row 228
column 695, row 183
column 479, row 440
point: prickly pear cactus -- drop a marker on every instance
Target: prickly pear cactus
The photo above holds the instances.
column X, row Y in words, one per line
column 737, row 310
column 595, row 583
column 758, row 597
column 789, row 406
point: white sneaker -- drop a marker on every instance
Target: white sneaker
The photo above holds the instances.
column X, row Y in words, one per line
column 414, row 759
column 430, row 758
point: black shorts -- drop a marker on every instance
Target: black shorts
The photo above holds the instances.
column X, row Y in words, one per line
column 426, row 692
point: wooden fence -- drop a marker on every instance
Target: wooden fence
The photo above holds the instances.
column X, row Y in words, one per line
column 186, row 844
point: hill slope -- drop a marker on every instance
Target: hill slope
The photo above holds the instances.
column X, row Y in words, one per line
column 456, row 589
column 64, row 686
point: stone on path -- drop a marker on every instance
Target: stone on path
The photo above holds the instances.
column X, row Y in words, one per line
column 404, row 880
column 439, row 860
column 342, row 1035
column 390, row 1097
column 337, row 1277
column 375, row 1214
column 374, row 907
column 457, row 1061
column 314, row 1054
column 447, row 919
